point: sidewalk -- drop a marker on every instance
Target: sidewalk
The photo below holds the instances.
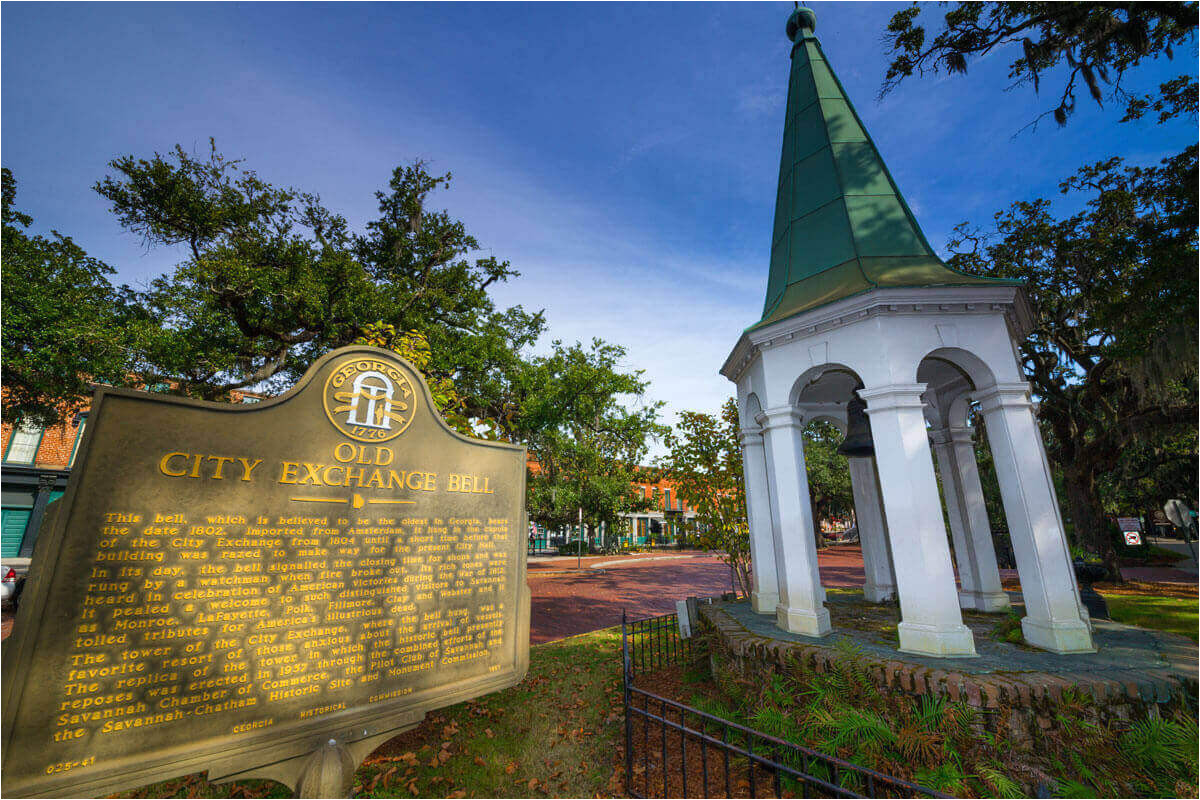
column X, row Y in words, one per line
column 611, row 560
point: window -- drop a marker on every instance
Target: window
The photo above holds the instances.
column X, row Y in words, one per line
column 249, row 399
column 159, row 388
column 78, row 438
column 23, row 445
column 666, row 499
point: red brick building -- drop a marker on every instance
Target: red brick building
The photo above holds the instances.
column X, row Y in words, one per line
column 661, row 525
column 36, row 464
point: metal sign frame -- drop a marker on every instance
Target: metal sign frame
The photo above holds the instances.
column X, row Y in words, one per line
column 295, row 751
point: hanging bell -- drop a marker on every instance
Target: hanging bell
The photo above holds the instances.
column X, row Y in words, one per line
column 858, row 431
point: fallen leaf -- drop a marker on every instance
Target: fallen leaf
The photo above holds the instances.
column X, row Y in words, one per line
column 480, row 762
column 510, row 768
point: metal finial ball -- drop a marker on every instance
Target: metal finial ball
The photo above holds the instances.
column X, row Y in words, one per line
column 801, row 19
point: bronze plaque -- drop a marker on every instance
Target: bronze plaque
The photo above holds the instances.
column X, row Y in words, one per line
column 230, row 587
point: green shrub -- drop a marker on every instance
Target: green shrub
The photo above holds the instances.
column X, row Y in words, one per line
column 1009, row 629
column 1162, row 747
column 939, row 743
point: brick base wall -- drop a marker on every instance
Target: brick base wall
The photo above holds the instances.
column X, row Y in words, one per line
column 1020, row 701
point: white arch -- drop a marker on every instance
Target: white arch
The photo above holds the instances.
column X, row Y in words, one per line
column 751, row 409
column 838, row 422
column 980, row 374
column 812, row 375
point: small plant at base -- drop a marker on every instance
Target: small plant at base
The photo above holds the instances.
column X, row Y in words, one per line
column 713, row 707
column 943, row 778
column 1073, row 788
column 1000, row 783
column 1161, row 747
column 1008, row 629
column 773, row 721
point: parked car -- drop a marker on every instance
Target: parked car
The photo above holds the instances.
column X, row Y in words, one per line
column 841, row 536
column 10, row 587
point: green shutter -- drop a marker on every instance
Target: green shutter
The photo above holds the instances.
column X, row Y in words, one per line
column 12, row 530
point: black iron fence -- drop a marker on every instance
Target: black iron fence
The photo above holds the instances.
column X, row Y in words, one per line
column 675, row 750
column 653, row 643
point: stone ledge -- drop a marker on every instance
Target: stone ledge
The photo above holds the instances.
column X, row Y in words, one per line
column 1119, row 693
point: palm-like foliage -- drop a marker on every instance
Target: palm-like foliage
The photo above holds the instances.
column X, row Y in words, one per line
column 942, row 744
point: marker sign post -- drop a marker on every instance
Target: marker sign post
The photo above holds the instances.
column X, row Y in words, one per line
column 269, row 590
column 1131, row 528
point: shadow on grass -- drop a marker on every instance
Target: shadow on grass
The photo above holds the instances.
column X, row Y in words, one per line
column 557, row 733
column 1171, row 614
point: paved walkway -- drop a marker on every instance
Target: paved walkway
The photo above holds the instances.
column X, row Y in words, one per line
column 567, row 602
column 1120, row 647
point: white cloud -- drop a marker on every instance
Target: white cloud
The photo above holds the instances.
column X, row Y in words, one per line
column 760, row 100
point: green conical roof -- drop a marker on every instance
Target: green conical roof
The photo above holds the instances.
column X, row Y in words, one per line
column 841, row 225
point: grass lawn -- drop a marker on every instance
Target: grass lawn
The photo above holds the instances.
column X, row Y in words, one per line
column 557, row 733
column 1172, row 614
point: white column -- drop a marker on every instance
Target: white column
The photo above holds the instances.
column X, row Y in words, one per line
column 872, row 531
column 931, row 621
column 1083, row 612
column 765, row 595
column 1053, row 621
column 800, row 608
column 978, row 573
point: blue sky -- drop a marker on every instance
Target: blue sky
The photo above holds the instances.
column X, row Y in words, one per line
column 622, row 156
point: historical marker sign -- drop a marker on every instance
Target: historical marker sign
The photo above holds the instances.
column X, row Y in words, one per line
column 233, row 588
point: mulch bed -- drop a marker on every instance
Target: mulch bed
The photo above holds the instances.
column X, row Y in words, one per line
column 693, row 768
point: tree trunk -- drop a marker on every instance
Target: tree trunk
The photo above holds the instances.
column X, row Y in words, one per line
column 817, row 511
column 741, row 569
column 1091, row 527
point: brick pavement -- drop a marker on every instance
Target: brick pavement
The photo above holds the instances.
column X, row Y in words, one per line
column 645, row 585
column 566, row 603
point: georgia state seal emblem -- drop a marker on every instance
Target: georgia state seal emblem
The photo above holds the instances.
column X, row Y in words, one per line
column 369, row 399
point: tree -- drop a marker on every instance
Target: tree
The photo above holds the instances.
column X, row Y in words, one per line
column 567, row 408
column 272, row 278
column 1113, row 354
column 1150, row 472
column 1098, row 43
column 64, row 323
column 704, row 460
column 828, row 474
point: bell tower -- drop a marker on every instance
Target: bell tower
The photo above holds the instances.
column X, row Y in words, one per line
column 860, row 310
